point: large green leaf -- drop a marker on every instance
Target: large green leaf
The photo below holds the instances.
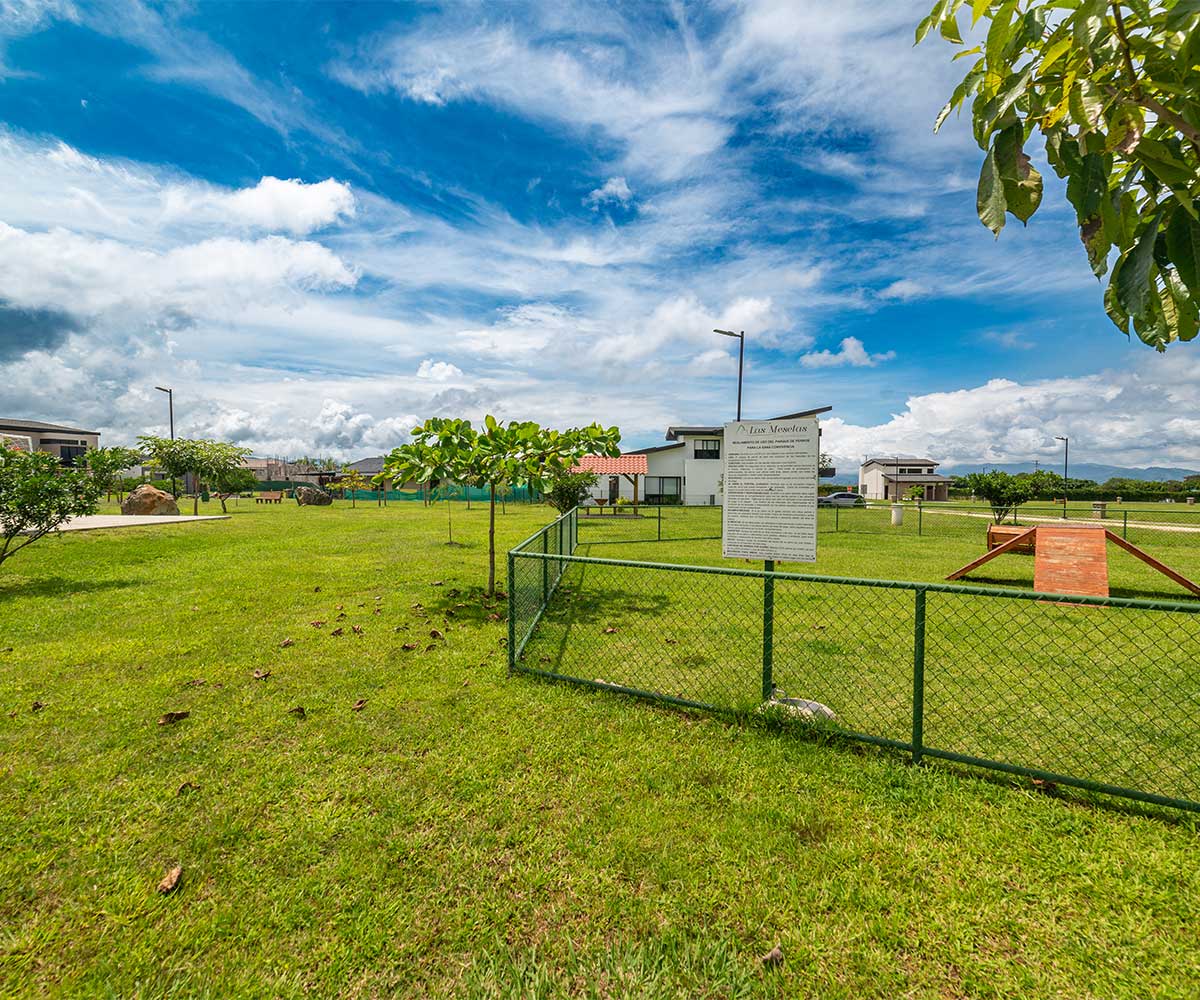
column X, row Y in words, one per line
column 1183, row 247
column 989, row 197
column 1132, row 275
column 1021, row 182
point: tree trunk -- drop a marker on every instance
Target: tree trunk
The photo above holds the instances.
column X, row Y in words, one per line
column 449, row 523
column 492, row 542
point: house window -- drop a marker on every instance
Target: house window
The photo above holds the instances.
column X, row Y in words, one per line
column 708, row 449
column 67, row 455
column 663, row 489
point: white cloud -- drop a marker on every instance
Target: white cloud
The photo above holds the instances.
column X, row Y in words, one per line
column 1013, row 340
column 274, row 205
column 1116, row 417
column 438, row 371
column 903, row 290
column 614, row 189
column 851, row 353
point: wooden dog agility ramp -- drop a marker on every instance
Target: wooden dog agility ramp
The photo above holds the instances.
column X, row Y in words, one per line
column 1072, row 559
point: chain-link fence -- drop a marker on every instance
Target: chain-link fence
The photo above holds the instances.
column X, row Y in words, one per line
column 1099, row 693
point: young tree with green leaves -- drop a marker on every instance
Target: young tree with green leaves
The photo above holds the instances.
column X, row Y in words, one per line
column 209, row 462
column 228, row 481
column 1114, row 90
column 569, row 489
column 1002, row 491
column 106, row 466
column 37, row 495
column 440, row 451
column 352, row 480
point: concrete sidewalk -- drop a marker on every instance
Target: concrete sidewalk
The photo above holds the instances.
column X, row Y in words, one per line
column 96, row 522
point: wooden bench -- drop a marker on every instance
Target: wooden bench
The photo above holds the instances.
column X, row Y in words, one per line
column 998, row 534
column 270, row 496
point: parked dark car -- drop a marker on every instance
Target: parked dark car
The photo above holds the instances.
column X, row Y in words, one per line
column 842, row 500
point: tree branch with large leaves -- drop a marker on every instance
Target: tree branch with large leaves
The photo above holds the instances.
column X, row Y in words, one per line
column 1114, row 91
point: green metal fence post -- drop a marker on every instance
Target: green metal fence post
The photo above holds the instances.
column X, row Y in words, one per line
column 918, row 700
column 835, row 517
column 660, row 522
column 545, row 568
column 512, row 613
column 920, row 512
column 768, row 641
column 1125, row 524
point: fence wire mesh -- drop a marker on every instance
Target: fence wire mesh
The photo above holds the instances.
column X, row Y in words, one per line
column 1101, row 693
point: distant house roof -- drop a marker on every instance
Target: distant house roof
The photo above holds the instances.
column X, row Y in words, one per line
column 658, row 447
column 673, row 433
column 7, row 424
column 372, row 465
column 894, row 460
column 627, row 465
column 924, row 478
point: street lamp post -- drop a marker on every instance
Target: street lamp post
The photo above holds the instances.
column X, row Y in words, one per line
column 171, row 416
column 741, row 339
column 1066, row 455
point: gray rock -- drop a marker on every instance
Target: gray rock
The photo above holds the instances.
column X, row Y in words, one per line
column 147, row 499
column 310, row 496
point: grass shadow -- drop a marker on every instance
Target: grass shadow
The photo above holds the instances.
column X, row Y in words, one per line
column 58, row 587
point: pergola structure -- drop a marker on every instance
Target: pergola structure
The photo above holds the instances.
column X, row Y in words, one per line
column 629, row 466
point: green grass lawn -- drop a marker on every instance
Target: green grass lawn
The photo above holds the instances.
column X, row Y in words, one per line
column 469, row 834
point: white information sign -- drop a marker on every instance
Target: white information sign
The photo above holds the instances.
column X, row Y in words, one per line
column 770, row 500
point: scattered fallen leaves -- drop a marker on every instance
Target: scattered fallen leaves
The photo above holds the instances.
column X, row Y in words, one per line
column 170, row 718
column 359, row 705
column 773, row 958
column 298, row 712
column 316, row 590
column 430, row 648
column 317, row 623
column 466, row 683
column 356, row 629
column 436, row 583
column 493, row 617
column 261, row 675
column 186, row 787
column 6, row 649
column 170, row 881
column 409, row 646
column 195, row 607
column 502, row 595
column 610, row 630
column 378, row 597
column 340, row 616
column 286, row 643
column 671, row 642
column 417, row 607
column 378, row 611
column 338, row 607
column 436, row 634
column 818, row 628
column 338, row 631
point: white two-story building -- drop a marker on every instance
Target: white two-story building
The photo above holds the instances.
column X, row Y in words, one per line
column 894, row 478
column 689, row 470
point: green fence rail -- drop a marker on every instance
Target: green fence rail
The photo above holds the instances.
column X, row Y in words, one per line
column 1101, row 694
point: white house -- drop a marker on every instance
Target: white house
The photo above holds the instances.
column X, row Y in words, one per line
column 65, row 443
column 891, row 478
column 689, row 470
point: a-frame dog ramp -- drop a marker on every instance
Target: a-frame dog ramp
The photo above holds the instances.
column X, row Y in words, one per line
column 1072, row 559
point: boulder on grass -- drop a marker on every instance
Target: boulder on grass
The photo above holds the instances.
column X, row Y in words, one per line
column 147, row 499
column 308, row 496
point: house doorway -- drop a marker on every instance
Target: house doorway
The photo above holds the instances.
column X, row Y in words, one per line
column 614, row 489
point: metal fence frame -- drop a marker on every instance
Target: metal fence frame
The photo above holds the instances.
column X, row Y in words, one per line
column 554, row 546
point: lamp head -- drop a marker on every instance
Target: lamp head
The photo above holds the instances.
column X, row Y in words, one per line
column 161, row 388
column 726, row 333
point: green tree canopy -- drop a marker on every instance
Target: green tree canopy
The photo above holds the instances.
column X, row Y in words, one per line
column 1001, row 490
column 351, row 480
column 213, row 463
column 1114, row 90
column 37, row 495
column 107, row 464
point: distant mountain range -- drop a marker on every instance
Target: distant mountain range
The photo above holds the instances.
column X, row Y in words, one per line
column 1082, row 470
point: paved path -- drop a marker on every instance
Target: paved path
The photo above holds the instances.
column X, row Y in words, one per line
column 95, row 522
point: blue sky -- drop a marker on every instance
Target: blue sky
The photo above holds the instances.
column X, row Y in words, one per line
column 323, row 222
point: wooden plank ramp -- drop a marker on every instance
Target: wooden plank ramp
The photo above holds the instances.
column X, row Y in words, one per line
column 1071, row 560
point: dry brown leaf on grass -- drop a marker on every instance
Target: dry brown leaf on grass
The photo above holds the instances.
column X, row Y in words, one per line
column 430, row 648
column 170, row 718
column 493, row 617
column 187, row 786
column 316, row 590
column 338, row 607
column 436, row 583
column 773, row 958
column 409, row 646
column 610, row 630
column 298, row 712
column 340, row 616
column 338, row 631
column 359, row 705
column 170, row 881
column 435, row 634
column 316, row 623
column 356, row 629
column 261, row 675
column 286, row 643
